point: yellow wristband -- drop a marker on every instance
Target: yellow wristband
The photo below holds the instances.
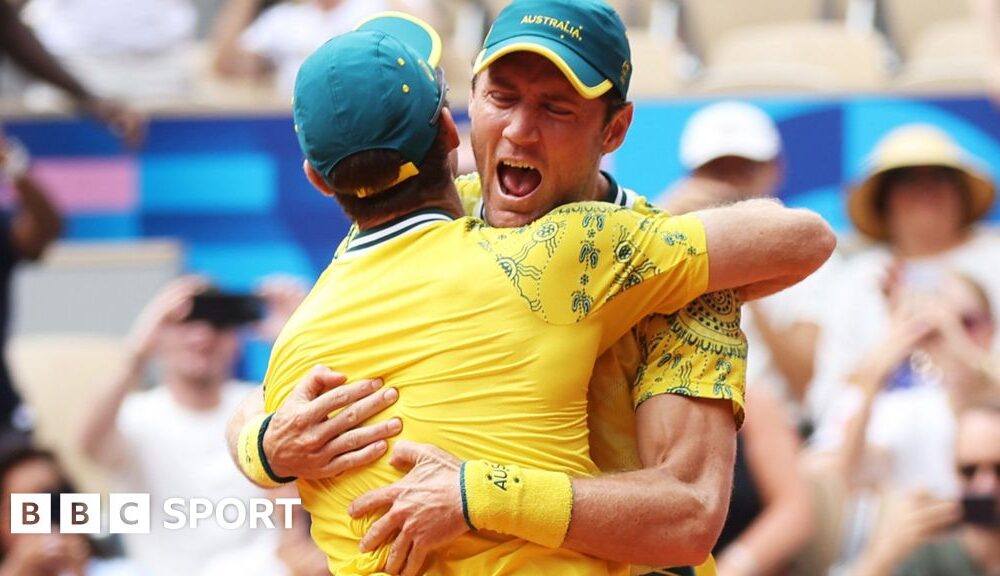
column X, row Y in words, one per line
column 533, row 505
column 250, row 453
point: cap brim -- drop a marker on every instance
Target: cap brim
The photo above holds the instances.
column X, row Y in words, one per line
column 410, row 30
column 861, row 201
column 587, row 81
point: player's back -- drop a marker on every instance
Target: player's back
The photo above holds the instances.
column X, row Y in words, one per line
column 489, row 340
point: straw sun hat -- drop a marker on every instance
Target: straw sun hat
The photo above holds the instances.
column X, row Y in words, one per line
column 910, row 146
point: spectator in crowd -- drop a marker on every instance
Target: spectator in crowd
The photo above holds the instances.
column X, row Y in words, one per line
column 770, row 514
column 280, row 38
column 919, row 202
column 893, row 429
column 18, row 41
column 733, row 152
column 894, row 425
column 24, row 235
column 917, row 538
column 168, row 441
column 28, row 470
column 130, row 49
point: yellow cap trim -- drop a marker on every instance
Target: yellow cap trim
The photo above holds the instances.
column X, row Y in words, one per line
column 406, row 171
column 435, row 56
column 588, row 92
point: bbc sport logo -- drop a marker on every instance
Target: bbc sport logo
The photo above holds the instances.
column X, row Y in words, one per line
column 132, row 513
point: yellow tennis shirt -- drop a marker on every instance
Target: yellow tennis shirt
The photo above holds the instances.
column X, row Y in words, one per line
column 489, row 335
column 700, row 352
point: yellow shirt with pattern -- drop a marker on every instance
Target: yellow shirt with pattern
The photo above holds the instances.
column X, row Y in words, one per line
column 700, row 351
column 466, row 321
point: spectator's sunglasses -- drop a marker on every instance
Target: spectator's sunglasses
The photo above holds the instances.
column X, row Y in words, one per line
column 975, row 321
column 442, row 94
column 968, row 471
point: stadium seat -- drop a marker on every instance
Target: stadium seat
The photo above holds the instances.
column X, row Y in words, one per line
column 654, row 65
column 60, row 376
column 948, row 57
column 708, row 22
column 908, row 20
column 796, row 57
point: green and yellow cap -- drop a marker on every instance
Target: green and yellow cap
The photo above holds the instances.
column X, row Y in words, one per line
column 585, row 39
column 377, row 87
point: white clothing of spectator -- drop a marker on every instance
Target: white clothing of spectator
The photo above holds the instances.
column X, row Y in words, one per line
column 281, row 37
column 919, row 203
column 129, row 49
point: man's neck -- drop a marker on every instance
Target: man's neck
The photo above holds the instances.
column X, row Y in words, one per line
column 601, row 188
column 195, row 396
column 983, row 546
column 447, row 200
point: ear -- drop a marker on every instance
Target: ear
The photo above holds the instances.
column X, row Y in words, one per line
column 316, row 180
column 617, row 128
column 449, row 130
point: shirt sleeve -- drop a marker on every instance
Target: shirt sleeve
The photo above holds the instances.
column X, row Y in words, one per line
column 699, row 351
column 597, row 261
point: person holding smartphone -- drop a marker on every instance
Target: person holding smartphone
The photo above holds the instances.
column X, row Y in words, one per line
column 167, row 440
column 918, row 537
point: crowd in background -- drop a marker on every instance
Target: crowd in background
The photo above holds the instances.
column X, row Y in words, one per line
column 872, row 437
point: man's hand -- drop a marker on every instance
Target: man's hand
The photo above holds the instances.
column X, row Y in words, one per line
column 169, row 306
column 425, row 507
column 123, row 122
column 909, row 521
column 303, row 441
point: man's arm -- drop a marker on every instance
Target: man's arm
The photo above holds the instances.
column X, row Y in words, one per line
column 760, row 247
column 784, row 525
column 17, row 40
column 301, row 439
column 669, row 513
column 100, row 439
column 688, row 448
column 37, row 222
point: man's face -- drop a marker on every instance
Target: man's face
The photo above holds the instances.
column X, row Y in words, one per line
column 199, row 352
column 924, row 200
column 978, row 454
column 537, row 142
column 749, row 178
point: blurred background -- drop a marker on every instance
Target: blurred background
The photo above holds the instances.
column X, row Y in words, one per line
column 160, row 131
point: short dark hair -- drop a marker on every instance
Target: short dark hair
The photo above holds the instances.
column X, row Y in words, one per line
column 378, row 168
column 615, row 102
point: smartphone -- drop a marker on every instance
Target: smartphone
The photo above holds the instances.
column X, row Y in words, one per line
column 226, row 310
column 980, row 510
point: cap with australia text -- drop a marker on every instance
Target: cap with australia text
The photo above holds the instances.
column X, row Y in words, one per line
column 585, row 39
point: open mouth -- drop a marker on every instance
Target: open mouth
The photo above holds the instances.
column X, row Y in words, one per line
column 518, row 179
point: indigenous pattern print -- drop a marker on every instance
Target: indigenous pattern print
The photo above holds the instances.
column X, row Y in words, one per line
column 699, row 351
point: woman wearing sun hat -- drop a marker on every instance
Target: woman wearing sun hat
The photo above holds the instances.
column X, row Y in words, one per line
column 919, row 203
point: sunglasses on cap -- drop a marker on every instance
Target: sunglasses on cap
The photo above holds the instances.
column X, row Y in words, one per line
column 442, row 94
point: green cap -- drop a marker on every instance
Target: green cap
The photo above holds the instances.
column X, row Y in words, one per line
column 585, row 39
column 375, row 88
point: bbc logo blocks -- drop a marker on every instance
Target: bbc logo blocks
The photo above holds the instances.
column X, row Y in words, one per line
column 78, row 513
